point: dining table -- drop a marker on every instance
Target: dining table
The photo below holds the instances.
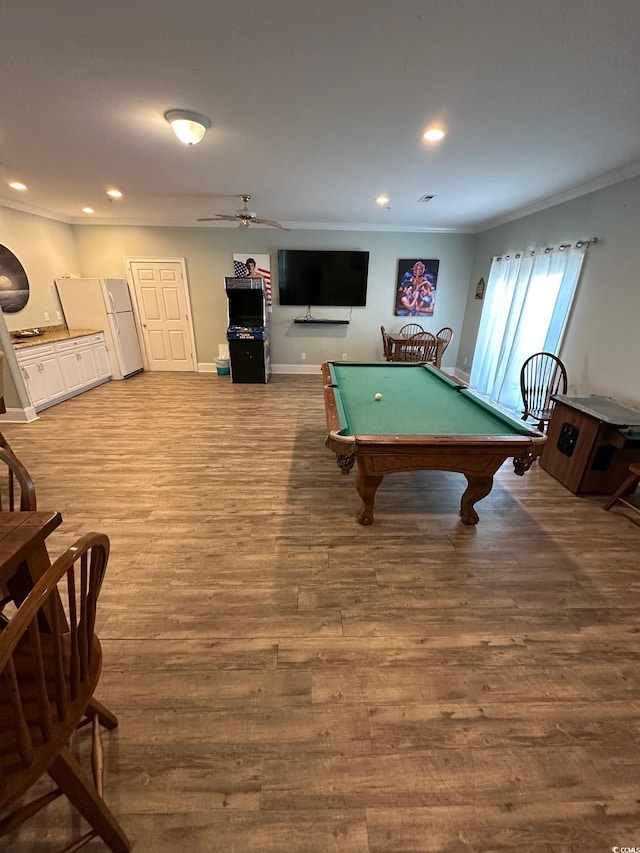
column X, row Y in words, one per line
column 399, row 342
column 23, row 554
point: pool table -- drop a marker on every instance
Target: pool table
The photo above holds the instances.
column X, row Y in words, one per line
column 424, row 421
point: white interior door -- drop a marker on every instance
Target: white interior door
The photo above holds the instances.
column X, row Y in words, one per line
column 164, row 310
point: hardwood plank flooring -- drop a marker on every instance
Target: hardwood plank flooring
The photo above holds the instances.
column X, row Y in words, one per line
column 288, row 681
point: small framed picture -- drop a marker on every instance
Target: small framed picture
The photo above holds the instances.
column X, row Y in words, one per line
column 480, row 289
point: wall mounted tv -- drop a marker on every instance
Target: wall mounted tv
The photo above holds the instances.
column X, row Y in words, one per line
column 317, row 277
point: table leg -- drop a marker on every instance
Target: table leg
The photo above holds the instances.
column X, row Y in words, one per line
column 25, row 578
column 366, row 486
column 478, row 488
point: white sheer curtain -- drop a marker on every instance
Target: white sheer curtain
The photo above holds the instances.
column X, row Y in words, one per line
column 527, row 303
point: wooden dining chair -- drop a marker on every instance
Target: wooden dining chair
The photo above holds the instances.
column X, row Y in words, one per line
column 387, row 345
column 422, row 347
column 627, row 488
column 410, row 329
column 48, row 681
column 17, row 494
column 444, row 335
column 17, row 490
column 542, row 375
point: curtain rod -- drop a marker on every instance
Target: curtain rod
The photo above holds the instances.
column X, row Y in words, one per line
column 578, row 245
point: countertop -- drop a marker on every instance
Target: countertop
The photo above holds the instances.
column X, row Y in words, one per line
column 52, row 335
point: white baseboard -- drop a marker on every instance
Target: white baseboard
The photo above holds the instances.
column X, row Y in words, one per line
column 206, row 367
column 19, row 416
column 296, row 368
column 209, row 367
column 459, row 374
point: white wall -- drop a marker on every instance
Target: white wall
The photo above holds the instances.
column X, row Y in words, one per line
column 47, row 250
column 209, row 257
column 600, row 348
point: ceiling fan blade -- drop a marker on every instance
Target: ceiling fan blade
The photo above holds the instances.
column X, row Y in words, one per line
column 270, row 222
column 216, row 217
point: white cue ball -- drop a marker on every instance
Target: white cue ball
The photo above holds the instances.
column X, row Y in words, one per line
column 378, row 396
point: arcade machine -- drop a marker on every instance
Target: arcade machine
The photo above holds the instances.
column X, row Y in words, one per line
column 248, row 331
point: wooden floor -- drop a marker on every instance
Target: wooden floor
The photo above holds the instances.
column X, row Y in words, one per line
column 290, row 682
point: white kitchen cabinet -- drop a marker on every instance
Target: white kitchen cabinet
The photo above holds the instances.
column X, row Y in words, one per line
column 42, row 374
column 56, row 371
column 101, row 355
column 78, row 362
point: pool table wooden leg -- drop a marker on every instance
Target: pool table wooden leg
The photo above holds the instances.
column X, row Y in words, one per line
column 478, row 488
column 366, row 486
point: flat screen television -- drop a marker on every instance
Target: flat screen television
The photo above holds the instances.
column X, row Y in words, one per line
column 322, row 277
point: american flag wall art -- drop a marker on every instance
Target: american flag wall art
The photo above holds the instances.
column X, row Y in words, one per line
column 254, row 266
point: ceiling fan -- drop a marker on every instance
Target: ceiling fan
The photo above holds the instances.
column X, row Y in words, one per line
column 244, row 217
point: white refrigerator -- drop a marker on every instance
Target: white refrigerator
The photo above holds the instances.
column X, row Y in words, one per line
column 104, row 304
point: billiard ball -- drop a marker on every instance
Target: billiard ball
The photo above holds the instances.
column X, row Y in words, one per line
column 378, row 396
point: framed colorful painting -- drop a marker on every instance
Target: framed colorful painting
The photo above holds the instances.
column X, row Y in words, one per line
column 416, row 286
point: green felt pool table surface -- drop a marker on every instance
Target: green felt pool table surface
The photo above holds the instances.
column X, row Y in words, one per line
column 425, row 420
column 416, row 400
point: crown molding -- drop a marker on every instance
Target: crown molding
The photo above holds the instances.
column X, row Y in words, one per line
column 617, row 176
column 625, row 173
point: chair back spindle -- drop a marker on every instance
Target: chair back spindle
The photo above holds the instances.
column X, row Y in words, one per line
column 410, row 329
column 542, row 375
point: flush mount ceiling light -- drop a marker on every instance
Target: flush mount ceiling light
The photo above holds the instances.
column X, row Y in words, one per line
column 188, row 126
column 88, row 210
column 18, row 185
column 382, row 199
column 434, row 134
column 114, row 193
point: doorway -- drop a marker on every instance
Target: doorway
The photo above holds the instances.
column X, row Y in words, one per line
column 164, row 312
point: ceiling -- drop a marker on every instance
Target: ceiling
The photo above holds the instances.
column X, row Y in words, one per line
column 317, row 107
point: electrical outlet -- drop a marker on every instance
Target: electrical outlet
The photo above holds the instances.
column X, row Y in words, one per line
column 344, row 356
column 465, row 362
column 46, row 316
column 59, row 315
column 304, row 356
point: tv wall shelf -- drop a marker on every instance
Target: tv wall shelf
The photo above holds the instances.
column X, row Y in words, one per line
column 312, row 320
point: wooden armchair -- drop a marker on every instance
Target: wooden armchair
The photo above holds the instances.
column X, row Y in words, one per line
column 16, row 484
column 387, row 345
column 542, row 375
column 422, row 347
column 48, row 679
column 444, row 336
column 623, row 493
column 410, row 329
column 17, row 493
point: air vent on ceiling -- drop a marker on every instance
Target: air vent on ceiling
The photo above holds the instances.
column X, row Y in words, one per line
column 425, row 198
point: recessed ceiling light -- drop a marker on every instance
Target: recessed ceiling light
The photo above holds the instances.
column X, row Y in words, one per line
column 382, row 199
column 114, row 193
column 434, row 134
column 88, row 210
column 17, row 185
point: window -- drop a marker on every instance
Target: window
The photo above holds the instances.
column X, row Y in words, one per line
column 527, row 304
